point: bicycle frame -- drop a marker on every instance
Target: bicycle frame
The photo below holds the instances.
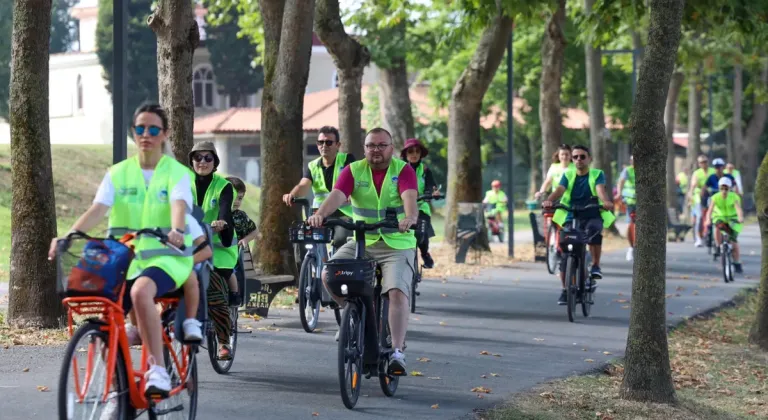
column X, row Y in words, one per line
column 113, row 319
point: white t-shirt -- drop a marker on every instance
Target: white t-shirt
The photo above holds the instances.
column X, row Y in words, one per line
column 181, row 191
column 195, row 230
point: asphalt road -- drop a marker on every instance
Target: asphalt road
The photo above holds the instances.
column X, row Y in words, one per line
column 289, row 374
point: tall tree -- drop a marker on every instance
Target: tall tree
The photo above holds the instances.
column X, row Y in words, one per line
column 394, row 93
column 6, row 29
column 465, row 181
column 33, row 301
column 141, row 60
column 232, row 57
column 351, row 59
column 694, row 117
column 287, row 49
column 596, row 104
column 550, row 85
column 759, row 332
column 670, row 111
column 647, row 374
column 63, row 27
column 754, row 129
column 177, row 39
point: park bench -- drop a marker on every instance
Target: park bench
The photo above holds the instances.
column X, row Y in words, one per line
column 469, row 225
column 676, row 230
column 260, row 289
column 539, row 241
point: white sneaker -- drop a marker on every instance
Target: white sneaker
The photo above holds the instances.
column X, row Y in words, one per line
column 192, row 331
column 134, row 339
column 397, row 363
column 337, row 335
column 698, row 243
column 630, row 254
column 158, row 382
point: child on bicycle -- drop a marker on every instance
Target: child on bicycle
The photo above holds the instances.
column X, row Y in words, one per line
column 413, row 152
column 245, row 229
column 726, row 213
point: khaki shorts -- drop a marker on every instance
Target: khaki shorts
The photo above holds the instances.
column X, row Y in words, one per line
column 396, row 264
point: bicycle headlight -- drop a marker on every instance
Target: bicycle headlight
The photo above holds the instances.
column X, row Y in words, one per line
column 570, row 247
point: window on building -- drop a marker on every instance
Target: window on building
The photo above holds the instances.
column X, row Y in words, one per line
column 79, row 93
column 250, row 150
column 202, row 87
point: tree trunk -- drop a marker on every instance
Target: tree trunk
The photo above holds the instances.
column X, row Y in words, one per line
column 647, row 375
column 737, row 130
column 33, row 300
column 675, row 86
column 351, row 59
column 694, row 119
column 465, row 180
column 178, row 36
column 759, row 332
column 749, row 155
column 552, row 61
column 535, row 175
column 287, row 51
column 601, row 158
column 395, row 102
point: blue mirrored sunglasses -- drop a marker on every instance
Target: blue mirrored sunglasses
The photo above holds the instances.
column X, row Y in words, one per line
column 153, row 130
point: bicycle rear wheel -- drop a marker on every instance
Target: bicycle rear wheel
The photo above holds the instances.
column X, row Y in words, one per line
column 88, row 348
column 223, row 366
column 309, row 311
column 182, row 406
column 586, row 292
column 350, row 357
column 571, row 286
column 552, row 248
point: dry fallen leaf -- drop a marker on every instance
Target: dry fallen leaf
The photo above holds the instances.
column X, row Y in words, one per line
column 443, row 295
column 625, row 307
column 607, row 353
column 25, row 370
column 484, row 353
column 315, row 414
column 423, row 359
column 497, row 354
column 620, row 300
column 480, row 396
column 483, row 376
column 548, row 395
column 434, row 378
column 416, row 373
column 538, row 339
column 481, row 389
column 435, row 406
column 442, row 323
column 495, row 375
column 589, row 360
column 42, row 388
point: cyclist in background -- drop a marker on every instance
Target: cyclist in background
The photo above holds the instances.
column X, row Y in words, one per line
column 696, row 194
column 561, row 161
column 725, row 212
column 578, row 188
column 498, row 198
column 321, row 174
column 626, row 192
column 413, row 152
column 730, row 169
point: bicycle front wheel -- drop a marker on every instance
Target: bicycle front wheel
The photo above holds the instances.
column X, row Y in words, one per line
column 84, row 378
column 309, row 310
column 181, row 364
column 571, row 286
column 350, row 362
column 725, row 259
column 222, row 366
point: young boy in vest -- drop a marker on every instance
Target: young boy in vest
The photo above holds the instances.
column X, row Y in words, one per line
column 245, row 229
column 725, row 213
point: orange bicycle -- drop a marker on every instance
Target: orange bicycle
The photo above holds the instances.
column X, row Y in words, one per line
column 98, row 379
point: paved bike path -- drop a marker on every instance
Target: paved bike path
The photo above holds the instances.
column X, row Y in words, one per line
column 511, row 312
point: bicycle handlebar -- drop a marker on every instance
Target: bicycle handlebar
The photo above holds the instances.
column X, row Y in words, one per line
column 576, row 209
column 360, row 225
column 63, row 244
column 430, row 197
column 300, row 201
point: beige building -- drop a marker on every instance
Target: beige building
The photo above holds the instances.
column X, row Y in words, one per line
column 81, row 106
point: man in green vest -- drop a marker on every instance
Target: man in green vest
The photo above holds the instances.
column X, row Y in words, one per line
column 626, row 191
column 579, row 188
column 374, row 185
column 320, row 175
column 696, row 196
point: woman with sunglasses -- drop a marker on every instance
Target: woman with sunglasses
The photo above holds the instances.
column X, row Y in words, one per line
column 149, row 190
column 413, row 152
column 216, row 195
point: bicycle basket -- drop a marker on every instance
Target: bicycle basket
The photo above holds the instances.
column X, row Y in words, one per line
column 355, row 277
column 301, row 233
column 99, row 270
column 572, row 237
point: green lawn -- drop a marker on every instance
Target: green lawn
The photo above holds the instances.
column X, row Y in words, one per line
column 77, row 172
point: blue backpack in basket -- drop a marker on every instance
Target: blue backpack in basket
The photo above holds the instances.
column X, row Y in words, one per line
column 101, row 269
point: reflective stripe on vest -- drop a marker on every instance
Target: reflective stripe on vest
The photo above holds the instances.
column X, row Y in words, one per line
column 370, row 207
column 138, row 206
column 422, row 182
column 561, row 215
column 223, row 256
column 320, row 191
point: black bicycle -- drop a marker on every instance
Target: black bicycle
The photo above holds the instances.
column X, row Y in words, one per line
column 421, row 236
column 726, row 251
column 312, row 294
column 365, row 341
column 573, row 243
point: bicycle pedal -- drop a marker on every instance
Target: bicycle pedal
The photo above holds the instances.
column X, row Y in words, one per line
column 153, row 393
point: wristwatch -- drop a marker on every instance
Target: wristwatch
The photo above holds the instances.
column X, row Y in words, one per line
column 178, row 230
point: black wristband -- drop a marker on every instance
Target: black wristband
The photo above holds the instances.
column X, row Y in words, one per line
column 178, row 230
